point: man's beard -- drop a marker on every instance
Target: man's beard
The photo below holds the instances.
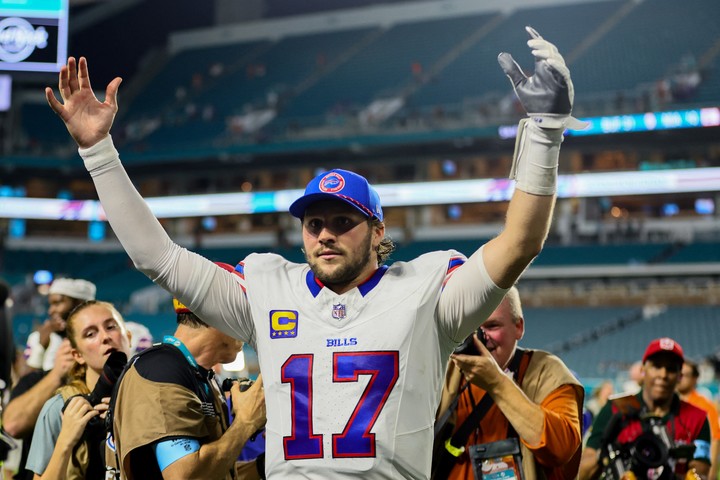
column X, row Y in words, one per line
column 349, row 271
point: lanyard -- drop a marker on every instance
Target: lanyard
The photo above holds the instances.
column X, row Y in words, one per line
column 170, row 340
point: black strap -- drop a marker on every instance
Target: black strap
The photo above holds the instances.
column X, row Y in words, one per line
column 445, row 417
column 458, row 440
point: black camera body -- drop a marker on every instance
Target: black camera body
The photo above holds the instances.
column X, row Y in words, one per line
column 650, row 451
column 245, row 383
column 112, row 370
column 467, row 347
column 647, row 452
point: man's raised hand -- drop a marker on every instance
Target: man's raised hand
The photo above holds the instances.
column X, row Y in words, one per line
column 547, row 96
column 87, row 119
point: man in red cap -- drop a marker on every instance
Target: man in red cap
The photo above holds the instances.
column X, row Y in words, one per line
column 672, row 432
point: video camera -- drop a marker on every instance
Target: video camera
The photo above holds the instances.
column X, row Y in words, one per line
column 651, row 455
column 467, row 347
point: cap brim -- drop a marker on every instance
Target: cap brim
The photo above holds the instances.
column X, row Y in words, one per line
column 667, row 353
column 298, row 207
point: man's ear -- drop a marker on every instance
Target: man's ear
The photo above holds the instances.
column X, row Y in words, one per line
column 520, row 329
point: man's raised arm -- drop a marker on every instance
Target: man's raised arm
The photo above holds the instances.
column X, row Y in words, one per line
column 547, row 96
column 186, row 275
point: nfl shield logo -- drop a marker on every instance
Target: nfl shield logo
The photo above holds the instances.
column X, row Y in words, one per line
column 339, row 311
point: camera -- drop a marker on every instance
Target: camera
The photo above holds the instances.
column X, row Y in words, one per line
column 245, row 383
column 650, row 455
column 467, row 347
column 112, row 370
column 645, row 453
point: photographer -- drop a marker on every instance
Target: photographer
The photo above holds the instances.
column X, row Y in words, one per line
column 651, row 435
column 62, row 446
column 505, row 392
column 169, row 415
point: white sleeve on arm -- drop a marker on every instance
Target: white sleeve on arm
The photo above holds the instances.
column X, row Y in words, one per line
column 210, row 292
column 468, row 299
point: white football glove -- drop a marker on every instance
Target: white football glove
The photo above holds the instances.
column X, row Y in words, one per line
column 547, row 96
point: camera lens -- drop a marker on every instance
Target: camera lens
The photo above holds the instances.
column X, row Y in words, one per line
column 649, row 451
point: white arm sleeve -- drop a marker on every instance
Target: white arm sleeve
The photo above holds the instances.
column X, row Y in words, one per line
column 210, row 292
column 468, row 299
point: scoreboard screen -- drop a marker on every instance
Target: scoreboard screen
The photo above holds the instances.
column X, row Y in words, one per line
column 33, row 35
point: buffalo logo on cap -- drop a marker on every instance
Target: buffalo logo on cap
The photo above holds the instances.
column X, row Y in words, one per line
column 667, row 343
column 333, row 182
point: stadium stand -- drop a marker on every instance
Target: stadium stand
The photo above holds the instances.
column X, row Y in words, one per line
column 326, row 78
column 613, row 352
column 467, row 75
column 178, row 111
column 643, row 46
column 383, row 67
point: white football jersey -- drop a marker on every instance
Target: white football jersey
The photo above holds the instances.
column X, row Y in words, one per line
column 352, row 381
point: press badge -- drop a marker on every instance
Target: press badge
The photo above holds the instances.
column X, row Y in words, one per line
column 499, row 460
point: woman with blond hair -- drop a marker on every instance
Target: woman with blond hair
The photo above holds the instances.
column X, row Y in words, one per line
column 61, row 447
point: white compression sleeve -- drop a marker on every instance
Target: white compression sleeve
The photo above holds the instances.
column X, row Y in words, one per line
column 138, row 230
column 469, row 297
column 195, row 281
column 535, row 161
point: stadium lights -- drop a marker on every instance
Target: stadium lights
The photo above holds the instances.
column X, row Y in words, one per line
column 393, row 195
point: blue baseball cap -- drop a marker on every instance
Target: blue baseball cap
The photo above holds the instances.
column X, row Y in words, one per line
column 344, row 185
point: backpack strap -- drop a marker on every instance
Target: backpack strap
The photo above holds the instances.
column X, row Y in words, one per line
column 116, row 387
column 110, row 472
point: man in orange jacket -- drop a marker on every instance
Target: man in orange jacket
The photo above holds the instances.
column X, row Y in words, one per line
column 687, row 388
column 538, row 401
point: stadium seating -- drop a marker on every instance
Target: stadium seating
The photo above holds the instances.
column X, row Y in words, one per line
column 696, row 328
column 189, row 70
column 52, row 134
column 547, row 328
column 284, row 66
column 384, row 67
column 708, row 93
column 325, row 79
column 475, row 73
column 647, row 44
